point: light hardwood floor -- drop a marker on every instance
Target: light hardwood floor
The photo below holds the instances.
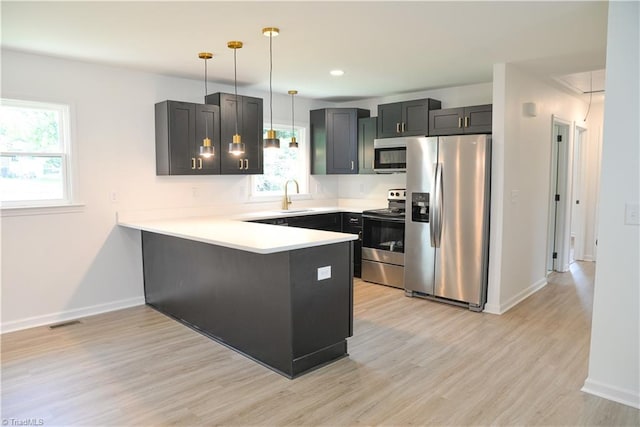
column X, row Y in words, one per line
column 412, row 362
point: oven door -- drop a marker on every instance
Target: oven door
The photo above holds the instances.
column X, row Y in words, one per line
column 390, row 155
column 383, row 239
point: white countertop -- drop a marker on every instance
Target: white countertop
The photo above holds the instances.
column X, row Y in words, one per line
column 233, row 232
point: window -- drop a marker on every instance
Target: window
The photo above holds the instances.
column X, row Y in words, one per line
column 35, row 154
column 283, row 164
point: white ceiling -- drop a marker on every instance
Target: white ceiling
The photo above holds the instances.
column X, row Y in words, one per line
column 385, row 48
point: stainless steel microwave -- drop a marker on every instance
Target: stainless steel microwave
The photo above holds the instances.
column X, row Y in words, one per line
column 390, row 155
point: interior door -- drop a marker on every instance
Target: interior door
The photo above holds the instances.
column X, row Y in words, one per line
column 559, row 217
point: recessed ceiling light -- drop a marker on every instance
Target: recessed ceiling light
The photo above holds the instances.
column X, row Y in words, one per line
column 336, row 73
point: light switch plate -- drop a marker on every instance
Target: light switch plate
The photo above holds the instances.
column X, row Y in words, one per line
column 324, row 273
column 515, row 195
column 632, row 214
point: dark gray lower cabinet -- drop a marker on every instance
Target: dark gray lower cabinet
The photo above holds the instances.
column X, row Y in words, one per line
column 352, row 223
column 326, row 222
column 269, row 307
column 345, row 222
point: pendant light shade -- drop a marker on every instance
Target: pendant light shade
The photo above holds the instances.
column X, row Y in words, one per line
column 236, row 146
column 271, row 141
column 293, row 143
column 206, row 149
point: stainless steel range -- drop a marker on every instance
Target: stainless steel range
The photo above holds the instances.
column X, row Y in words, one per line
column 383, row 241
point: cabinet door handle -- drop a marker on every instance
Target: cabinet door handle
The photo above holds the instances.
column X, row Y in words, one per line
column 240, row 164
column 466, row 122
column 193, row 163
column 352, row 164
column 397, row 127
column 246, row 163
column 459, row 122
column 199, row 163
column 404, row 127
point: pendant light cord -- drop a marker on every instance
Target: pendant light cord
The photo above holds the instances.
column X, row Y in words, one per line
column 206, row 122
column 590, row 95
column 235, row 84
column 293, row 118
column 270, row 78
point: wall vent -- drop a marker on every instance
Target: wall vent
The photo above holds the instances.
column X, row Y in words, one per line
column 63, row 324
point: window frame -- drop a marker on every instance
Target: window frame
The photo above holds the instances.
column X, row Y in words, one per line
column 67, row 202
column 303, row 159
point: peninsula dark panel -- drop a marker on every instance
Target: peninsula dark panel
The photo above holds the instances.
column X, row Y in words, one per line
column 269, row 307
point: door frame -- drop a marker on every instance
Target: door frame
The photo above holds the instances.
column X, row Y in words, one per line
column 578, row 193
column 559, row 220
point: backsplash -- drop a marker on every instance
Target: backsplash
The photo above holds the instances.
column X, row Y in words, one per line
column 369, row 186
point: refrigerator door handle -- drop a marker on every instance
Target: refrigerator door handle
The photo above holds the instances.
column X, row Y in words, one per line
column 437, row 220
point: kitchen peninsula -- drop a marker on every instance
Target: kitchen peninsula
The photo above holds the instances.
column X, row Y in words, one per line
column 281, row 296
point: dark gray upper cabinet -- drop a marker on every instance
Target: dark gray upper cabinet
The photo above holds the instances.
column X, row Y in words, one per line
column 250, row 127
column 180, row 129
column 334, row 140
column 462, row 120
column 367, row 132
column 407, row 118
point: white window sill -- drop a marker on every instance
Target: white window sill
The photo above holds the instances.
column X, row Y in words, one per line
column 41, row 210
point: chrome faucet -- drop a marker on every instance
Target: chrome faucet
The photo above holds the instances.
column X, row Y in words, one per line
column 286, row 200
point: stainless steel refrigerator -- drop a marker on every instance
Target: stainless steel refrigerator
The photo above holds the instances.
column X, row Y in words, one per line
column 447, row 219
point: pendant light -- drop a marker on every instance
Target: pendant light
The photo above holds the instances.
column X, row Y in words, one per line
column 206, row 149
column 271, row 141
column 236, row 147
column 293, row 143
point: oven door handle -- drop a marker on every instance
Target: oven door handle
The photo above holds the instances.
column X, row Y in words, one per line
column 383, row 218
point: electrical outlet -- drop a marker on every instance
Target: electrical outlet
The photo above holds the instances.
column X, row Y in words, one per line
column 324, row 273
column 113, row 196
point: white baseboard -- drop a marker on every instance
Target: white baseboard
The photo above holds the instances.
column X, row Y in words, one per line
column 516, row 299
column 492, row 308
column 63, row 316
column 609, row 392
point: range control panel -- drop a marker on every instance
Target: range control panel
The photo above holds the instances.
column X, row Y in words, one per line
column 397, row 194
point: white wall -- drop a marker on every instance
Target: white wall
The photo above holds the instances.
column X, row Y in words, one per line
column 62, row 266
column 614, row 360
column 521, row 171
